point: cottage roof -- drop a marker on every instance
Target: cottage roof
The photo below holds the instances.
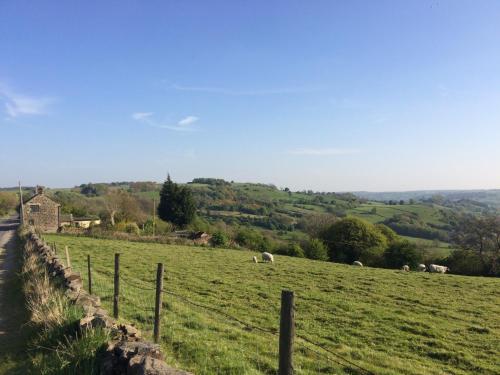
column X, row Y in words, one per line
column 38, row 198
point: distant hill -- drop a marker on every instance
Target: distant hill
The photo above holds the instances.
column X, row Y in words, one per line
column 483, row 196
column 283, row 215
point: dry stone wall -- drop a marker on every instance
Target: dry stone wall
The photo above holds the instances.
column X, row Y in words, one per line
column 127, row 353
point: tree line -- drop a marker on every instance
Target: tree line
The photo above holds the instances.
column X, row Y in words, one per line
column 329, row 237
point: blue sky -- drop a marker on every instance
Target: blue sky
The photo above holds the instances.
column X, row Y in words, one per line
column 323, row 95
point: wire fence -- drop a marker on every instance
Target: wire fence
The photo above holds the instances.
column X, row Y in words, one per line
column 204, row 338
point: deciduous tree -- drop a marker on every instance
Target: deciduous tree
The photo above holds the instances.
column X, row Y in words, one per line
column 351, row 239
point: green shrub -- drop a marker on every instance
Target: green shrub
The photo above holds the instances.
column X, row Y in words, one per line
column 466, row 262
column 127, row 227
column 387, row 232
column 351, row 239
column 292, row 250
column 316, row 249
column 253, row 239
column 160, row 227
column 8, row 202
column 219, row 239
column 295, row 250
column 199, row 224
column 402, row 252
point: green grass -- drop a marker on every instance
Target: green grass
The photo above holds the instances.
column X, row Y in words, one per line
column 433, row 249
column 13, row 340
column 294, row 205
column 215, row 213
column 428, row 213
column 66, row 352
column 387, row 321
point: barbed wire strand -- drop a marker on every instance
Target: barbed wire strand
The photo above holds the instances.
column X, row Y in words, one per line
column 248, row 325
column 274, row 333
column 322, row 355
column 334, row 354
column 145, row 306
column 254, row 327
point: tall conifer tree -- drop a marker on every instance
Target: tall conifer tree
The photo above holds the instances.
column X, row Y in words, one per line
column 176, row 204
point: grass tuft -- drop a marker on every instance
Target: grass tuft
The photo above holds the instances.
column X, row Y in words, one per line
column 57, row 348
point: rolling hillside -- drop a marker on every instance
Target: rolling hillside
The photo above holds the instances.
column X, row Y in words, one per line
column 266, row 207
column 282, row 215
column 386, row 321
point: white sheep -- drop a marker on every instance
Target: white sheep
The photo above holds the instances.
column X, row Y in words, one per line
column 438, row 269
column 255, row 260
column 406, row 268
column 421, row 267
column 267, row 257
column 357, row 263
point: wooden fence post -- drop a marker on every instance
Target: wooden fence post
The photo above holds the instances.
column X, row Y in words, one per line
column 68, row 261
column 90, row 273
column 117, row 286
column 158, row 301
column 287, row 333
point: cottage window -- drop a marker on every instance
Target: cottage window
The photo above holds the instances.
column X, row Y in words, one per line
column 34, row 207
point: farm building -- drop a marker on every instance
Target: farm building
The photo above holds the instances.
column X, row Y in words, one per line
column 42, row 212
column 199, row 238
column 78, row 222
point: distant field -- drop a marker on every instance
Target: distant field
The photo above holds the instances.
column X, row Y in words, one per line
column 264, row 192
column 427, row 213
column 387, row 321
column 441, row 251
column 225, row 201
column 234, row 214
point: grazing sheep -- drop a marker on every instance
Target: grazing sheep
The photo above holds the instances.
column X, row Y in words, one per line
column 357, row 263
column 267, row 257
column 434, row 268
column 255, row 259
column 421, row 267
column 406, row 268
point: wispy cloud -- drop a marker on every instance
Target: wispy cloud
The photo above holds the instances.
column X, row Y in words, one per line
column 259, row 92
column 323, row 151
column 16, row 104
column 141, row 115
column 187, row 121
column 182, row 125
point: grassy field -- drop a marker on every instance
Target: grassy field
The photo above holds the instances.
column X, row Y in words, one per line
column 433, row 249
column 387, row 321
column 428, row 213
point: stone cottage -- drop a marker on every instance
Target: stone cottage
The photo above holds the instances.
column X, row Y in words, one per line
column 42, row 212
